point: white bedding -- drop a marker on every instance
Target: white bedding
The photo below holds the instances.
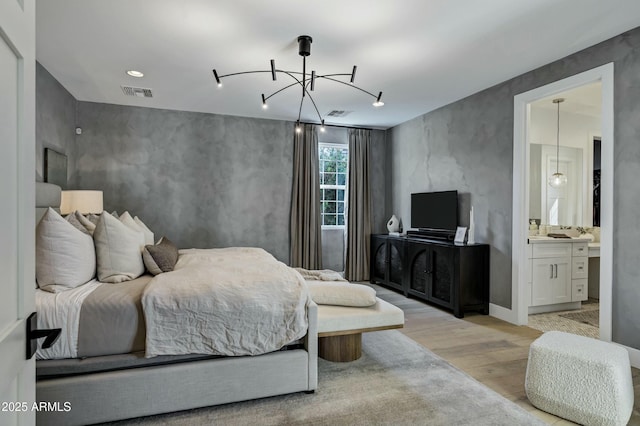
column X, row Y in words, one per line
column 62, row 310
column 232, row 301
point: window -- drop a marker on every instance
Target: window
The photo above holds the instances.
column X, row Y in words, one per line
column 334, row 160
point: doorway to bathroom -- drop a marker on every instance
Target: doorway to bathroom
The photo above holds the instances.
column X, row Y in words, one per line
column 576, row 295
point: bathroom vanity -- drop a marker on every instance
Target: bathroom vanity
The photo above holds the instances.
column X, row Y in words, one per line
column 558, row 272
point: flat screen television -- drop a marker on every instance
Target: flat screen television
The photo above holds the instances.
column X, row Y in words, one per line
column 435, row 210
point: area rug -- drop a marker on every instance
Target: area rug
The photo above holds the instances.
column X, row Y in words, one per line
column 585, row 317
column 583, row 322
column 396, row 382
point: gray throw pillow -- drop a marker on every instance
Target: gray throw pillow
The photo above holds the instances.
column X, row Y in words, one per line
column 161, row 257
column 72, row 219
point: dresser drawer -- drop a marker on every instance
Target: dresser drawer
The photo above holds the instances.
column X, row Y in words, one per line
column 552, row 250
column 580, row 249
column 580, row 267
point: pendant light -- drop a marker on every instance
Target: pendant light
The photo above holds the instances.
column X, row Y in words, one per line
column 558, row 179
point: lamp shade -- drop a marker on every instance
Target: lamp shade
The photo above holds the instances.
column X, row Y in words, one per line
column 83, row 201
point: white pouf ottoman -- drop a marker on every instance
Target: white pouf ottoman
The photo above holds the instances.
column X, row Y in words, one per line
column 580, row 379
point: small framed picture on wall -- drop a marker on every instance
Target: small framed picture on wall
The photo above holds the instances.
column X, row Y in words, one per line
column 55, row 168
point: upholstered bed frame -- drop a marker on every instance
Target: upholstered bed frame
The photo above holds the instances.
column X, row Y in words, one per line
column 121, row 394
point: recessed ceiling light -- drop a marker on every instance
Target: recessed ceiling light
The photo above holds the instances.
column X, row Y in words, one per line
column 134, row 73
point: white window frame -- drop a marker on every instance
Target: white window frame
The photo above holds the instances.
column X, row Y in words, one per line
column 337, row 187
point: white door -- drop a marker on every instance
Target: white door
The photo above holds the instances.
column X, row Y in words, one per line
column 17, row 208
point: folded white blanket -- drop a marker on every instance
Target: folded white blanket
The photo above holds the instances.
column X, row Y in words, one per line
column 232, row 301
column 341, row 293
column 320, row 274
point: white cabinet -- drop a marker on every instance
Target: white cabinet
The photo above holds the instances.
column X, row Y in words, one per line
column 551, row 281
column 558, row 272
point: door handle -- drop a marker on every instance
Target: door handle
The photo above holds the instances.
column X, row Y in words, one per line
column 556, row 275
column 551, row 271
column 33, row 334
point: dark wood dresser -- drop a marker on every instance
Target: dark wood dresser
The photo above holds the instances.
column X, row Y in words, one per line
column 453, row 276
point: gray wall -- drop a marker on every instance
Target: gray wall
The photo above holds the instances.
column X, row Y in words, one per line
column 55, row 117
column 468, row 146
column 203, row 180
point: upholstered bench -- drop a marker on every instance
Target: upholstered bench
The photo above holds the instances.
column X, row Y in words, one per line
column 340, row 328
column 580, row 379
column 345, row 311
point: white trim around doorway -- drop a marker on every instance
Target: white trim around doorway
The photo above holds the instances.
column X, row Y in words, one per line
column 518, row 314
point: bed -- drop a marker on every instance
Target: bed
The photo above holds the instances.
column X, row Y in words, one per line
column 119, row 372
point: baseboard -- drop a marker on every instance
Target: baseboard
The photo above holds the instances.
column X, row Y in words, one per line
column 634, row 355
column 502, row 313
column 508, row 315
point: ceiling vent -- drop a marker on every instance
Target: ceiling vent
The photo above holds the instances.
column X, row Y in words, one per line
column 338, row 113
column 137, row 91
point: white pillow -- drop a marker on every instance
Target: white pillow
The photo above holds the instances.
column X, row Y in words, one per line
column 65, row 257
column 341, row 293
column 148, row 234
column 117, row 250
column 128, row 220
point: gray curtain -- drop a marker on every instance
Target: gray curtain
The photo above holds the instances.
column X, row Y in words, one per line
column 306, row 222
column 359, row 207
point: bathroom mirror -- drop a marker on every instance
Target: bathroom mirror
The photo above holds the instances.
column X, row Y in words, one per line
column 558, row 206
column 575, row 126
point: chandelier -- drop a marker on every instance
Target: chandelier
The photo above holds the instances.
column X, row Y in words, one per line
column 306, row 81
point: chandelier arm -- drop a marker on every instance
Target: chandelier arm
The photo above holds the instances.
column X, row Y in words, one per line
column 284, row 88
column 290, row 74
column 314, row 103
column 329, row 77
column 335, row 75
column 304, row 88
column 347, row 84
column 243, row 72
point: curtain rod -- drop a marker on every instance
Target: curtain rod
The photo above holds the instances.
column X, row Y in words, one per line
column 343, row 127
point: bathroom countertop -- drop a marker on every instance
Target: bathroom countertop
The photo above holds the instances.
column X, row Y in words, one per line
column 543, row 239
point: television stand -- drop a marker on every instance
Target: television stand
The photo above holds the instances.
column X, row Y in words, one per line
column 432, row 234
column 449, row 275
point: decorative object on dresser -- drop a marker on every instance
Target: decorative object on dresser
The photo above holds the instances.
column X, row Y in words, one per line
column 393, row 225
column 452, row 276
column 471, row 239
column 461, row 232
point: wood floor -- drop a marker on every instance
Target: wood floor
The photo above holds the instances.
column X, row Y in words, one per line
column 492, row 351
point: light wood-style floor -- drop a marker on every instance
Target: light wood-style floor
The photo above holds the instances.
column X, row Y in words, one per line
column 490, row 350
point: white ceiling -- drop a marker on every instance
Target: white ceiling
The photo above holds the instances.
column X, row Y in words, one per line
column 422, row 54
column 584, row 100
